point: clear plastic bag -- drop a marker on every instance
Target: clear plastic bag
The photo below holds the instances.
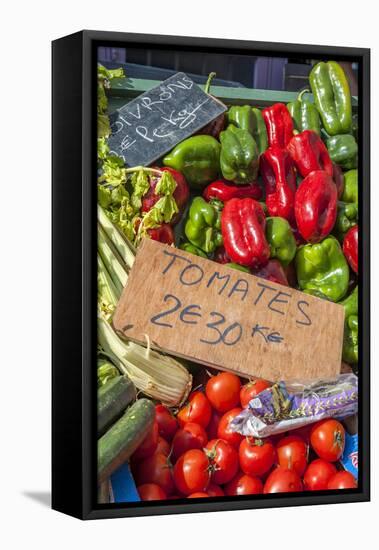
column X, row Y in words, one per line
column 290, row 405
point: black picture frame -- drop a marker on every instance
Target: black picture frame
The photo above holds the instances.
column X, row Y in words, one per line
column 74, row 274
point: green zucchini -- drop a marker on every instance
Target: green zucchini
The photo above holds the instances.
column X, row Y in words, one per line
column 113, row 398
column 117, row 445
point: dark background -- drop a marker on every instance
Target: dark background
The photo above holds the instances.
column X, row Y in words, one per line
column 265, row 73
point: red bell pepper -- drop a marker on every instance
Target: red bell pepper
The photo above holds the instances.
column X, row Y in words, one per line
column 339, row 179
column 279, row 125
column 243, row 225
column 164, row 234
column 223, row 191
column 181, row 193
column 309, row 153
column 220, row 256
column 273, row 271
column 316, row 206
column 279, row 176
column 350, row 247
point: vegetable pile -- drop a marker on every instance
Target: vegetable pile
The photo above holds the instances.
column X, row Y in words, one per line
column 194, row 453
column 273, row 192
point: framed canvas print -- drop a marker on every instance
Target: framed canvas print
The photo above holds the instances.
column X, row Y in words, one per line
column 210, row 274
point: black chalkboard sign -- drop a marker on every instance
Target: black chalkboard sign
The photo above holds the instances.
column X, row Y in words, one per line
column 153, row 123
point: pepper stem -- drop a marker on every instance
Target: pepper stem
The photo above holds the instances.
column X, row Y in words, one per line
column 208, row 82
column 300, row 96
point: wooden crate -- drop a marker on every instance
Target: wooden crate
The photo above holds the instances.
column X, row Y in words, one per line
column 126, row 89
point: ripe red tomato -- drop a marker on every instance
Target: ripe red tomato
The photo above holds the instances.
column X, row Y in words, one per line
column 163, row 446
column 212, row 427
column 191, row 436
column 199, row 494
column 215, row 490
column 251, row 390
column 243, row 484
column 256, row 456
column 198, row 410
column 223, row 459
column 282, row 480
column 223, row 391
column 191, row 472
column 304, row 432
column 155, row 469
column 167, row 423
column 342, row 480
column 328, row 439
column 224, row 432
column 318, row 474
column 151, row 491
column 292, row 454
column 148, row 445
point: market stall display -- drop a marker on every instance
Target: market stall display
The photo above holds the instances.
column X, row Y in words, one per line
column 269, row 191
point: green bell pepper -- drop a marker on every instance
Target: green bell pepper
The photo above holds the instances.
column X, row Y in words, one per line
column 239, row 267
column 250, row 119
column 281, row 239
column 350, row 192
column 197, row 158
column 343, row 150
column 259, row 130
column 304, row 114
column 322, row 269
column 239, row 157
column 241, row 117
column 350, row 339
column 332, row 97
column 347, row 217
column 192, row 249
column 203, row 225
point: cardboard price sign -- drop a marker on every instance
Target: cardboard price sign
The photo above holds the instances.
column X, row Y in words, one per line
column 224, row 318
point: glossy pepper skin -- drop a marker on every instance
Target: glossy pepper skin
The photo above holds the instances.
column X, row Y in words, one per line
column 279, row 125
column 203, row 227
column 250, row 119
column 309, row 153
column 241, row 116
column 281, row 240
column 222, row 191
column 350, row 247
column 332, row 97
column 350, row 338
column 279, row 177
column 316, row 206
column 197, row 158
column 259, row 130
column 304, row 114
column 339, row 179
column 322, row 269
column 350, row 193
column 243, row 225
column 239, row 155
column 192, row 249
column 347, row 217
column 164, row 234
column 343, row 150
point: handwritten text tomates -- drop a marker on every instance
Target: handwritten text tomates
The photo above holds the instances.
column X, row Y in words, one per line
column 208, row 312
